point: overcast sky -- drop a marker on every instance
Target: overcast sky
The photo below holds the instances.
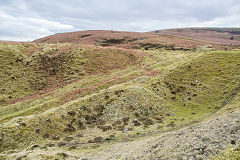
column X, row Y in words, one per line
column 23, row 20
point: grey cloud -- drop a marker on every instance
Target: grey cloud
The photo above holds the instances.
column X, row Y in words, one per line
column 30, row 19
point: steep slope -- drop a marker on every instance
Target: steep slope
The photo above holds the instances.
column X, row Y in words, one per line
column 207, row 80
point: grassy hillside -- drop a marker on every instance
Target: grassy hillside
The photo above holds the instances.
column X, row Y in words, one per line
column 167, row 39
column 75, row 98
column 27, row 69
column 207, row 81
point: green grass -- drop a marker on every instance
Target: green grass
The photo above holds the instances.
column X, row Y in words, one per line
column 29, row 70
column 231, row 153
column 17, row 72
column 207, row 80
column 96, row 84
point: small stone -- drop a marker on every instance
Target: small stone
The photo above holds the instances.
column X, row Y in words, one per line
column 233, row 142
column 23, row 124
column 35, row 146
column 194, row 95
column 48, row 120
column 90, row 141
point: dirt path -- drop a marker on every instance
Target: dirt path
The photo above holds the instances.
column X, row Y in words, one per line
column 200, row 141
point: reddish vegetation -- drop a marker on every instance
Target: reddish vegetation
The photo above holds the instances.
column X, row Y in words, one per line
column 12, row 42
column 124, row 39
column 119, row 49
column 112, row 58
column 108, row 82
column 98, row 60
column 211, row 35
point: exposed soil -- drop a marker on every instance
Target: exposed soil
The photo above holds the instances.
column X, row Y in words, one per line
column 196, row 142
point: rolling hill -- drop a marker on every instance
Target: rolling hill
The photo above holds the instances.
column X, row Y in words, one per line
column 166, row 94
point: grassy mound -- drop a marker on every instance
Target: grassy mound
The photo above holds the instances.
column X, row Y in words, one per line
column 27, row 69
column 116, row 108
column 205, row 83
